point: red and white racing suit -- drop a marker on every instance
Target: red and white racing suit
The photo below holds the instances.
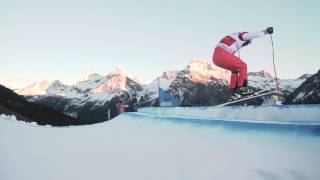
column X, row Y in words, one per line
column 224, row 58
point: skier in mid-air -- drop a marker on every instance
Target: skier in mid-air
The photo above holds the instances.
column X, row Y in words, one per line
column 224, row 57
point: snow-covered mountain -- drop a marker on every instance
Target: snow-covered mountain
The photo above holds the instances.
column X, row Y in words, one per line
column 107, row 87
column 89, row 81
column 265, row 80
column 198, row 71
column 199, row 83
column 16, row 84
column 163, row 81
column 92, row 94
column 262, row 74
column 308, row 92
column 114, row 82
column 201, row 71
column 202, row 83
column 96, row 87
column 37, row 88
column 93, row 88
column 51, row 88
column 43, row 88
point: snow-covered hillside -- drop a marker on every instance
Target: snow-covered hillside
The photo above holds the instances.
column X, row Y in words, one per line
column 147, row 145
column 308, row 92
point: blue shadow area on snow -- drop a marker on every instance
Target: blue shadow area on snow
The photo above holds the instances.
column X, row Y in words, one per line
column 308, row 129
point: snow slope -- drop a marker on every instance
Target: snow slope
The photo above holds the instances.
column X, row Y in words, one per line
column 308, row 92
column 149, row 145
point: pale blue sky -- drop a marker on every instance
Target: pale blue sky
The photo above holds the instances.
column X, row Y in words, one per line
column 63, row 39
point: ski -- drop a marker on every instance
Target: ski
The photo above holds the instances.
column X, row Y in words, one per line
column 253, row 94
column 262, row 93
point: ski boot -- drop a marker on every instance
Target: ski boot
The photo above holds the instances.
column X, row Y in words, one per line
column 245, row 91
column 236, row 94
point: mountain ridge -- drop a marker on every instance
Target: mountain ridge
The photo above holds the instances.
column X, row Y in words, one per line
column 200, row 83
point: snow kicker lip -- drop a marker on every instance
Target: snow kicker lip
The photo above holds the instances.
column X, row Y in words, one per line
column 290, row 118
column 284, row 114
column 245, row 125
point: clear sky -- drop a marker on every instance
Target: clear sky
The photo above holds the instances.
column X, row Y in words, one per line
column 63, row 39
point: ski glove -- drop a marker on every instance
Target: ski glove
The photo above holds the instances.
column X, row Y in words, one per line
column 269, row 30
column 246, row 43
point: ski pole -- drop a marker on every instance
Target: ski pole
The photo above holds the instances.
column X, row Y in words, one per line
column 274, row 68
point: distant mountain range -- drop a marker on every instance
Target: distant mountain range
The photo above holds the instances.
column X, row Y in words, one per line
column 199, row 84
column 95, row 88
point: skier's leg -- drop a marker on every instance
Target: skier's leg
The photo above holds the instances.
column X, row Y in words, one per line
column 243, row 76
column 234, row 80
column 228, row 61
column 220, row 58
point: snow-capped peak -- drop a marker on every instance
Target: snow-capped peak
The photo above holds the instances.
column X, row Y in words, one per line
column 163, row 81
column 16, row 84
column 200, row 70
column 57, row 83
column 115, row 82
column 41, row 87
column 89, row 75
column 263, row 74
column 91, row 81
column 170, row 74
column 118, row 71
column 121, row 72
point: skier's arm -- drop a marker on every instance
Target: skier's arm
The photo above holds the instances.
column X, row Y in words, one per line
column 250, row 36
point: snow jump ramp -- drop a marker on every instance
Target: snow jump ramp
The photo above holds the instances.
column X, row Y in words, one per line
column 198, row 143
